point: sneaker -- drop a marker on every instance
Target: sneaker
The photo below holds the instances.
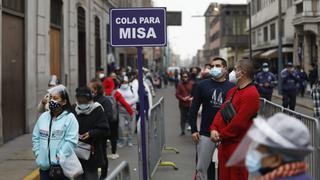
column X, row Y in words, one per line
column 182, row 134
column 120, row 145
column 189, row 128
column 113, row 156
column 130, row 144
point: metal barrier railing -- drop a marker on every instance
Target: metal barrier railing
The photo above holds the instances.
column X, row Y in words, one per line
column 121, row 172
column 156, row 139
column 268, row 108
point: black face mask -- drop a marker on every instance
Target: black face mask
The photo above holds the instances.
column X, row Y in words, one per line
column 54, row 106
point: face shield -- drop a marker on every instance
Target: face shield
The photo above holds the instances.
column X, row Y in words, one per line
column 57, row 89
column 281, row 133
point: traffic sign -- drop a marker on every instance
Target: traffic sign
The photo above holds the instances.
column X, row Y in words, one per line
column 138, row 27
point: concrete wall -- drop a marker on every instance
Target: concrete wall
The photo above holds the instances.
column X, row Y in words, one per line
column 1, row 118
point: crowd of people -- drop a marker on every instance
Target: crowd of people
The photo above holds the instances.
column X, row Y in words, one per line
column 221, row 105
column 106, row 110
column 218, row 104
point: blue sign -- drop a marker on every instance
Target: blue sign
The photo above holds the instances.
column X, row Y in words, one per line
column 138, row 27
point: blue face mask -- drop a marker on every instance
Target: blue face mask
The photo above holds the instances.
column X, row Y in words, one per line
column 253, row 161
column 216, row 72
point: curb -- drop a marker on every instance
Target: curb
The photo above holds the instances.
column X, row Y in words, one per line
column 298, row 103
column 34, row 175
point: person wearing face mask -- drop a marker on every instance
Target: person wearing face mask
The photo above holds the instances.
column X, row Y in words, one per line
column 183, row 94
column 93, row 129
column 55, row 134
column 125, row 120
column 97, row 91
column 275, row 149
column 210, row 94
column 242, row 103
column 265, row 82
column 100, row 74
column 44, row 103
column 290, row 86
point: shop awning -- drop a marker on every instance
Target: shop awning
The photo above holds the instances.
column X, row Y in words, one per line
column 287, row 49
column 269, row 53
column 254, row 54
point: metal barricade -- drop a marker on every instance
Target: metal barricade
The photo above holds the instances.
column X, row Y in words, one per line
column 268, row 108
column 121, row 172
column 156, row 139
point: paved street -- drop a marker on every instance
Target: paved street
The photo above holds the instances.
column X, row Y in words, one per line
column 17, row 154
column 184, row 160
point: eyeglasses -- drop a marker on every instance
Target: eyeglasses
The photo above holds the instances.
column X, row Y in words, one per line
column 185, row 77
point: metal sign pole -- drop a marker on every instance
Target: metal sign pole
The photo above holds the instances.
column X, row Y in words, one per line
column 142, row 117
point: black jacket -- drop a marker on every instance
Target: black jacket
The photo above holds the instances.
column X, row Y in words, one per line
column 95, row 123
column 106, row 104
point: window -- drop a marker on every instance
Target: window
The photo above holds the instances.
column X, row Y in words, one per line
column 97, row 41
column 265, row 34
column 81, row 19
column 254, row 37
column 299, row 8
column 282, row 28
column 14, row 5
column 289, row 3
column 259, row 36
column 273, row 31
column 258, row 5
column 56, row 13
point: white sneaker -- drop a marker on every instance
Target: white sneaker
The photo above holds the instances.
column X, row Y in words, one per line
column 113, row 156
column 130, row 144
column 189, row 128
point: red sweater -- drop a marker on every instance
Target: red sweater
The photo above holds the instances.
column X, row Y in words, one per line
column 246, row 103
column 184, row 90
column 108, row 85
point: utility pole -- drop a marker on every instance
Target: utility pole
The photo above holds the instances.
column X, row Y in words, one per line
column 250, row 32
column 280, row 64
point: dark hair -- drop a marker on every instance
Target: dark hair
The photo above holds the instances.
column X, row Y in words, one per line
column 247, row 66
column 99, row 69
column 224, row 62
column 84, row 92
column 184, row 72
column 65, row 96
column 97, row 85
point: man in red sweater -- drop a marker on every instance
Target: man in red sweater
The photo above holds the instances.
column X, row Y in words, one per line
column 183, row 94
column 246, row 104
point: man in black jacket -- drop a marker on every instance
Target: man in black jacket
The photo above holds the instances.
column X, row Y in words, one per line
column 93, row 130
column 97, row 90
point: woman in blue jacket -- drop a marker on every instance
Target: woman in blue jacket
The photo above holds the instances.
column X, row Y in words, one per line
column 55, row 135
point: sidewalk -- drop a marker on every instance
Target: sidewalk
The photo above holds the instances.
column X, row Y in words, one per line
column 305, row 102
column 16, row 158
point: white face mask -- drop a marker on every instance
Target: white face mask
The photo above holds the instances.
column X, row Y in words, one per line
column 83, row 106
column 101, row 75
column 265, row 69
column 232, row 77
column 216, row 72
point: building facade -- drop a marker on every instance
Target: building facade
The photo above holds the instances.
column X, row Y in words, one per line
column 307, row 33
column 39, row 38
column 265, row 28
column 226, row 34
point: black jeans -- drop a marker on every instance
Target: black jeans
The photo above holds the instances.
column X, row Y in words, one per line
column 289, row 100
column 266, row 96
column 184, row 117
column 44, row 175
column 114, row 128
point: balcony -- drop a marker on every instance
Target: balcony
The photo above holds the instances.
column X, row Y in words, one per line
column 307, row 11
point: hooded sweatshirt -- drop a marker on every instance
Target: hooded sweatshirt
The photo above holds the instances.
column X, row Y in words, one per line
column 63, row 138
column 109, row 86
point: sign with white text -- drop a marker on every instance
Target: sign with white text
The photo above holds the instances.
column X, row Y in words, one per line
column 139, row 27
